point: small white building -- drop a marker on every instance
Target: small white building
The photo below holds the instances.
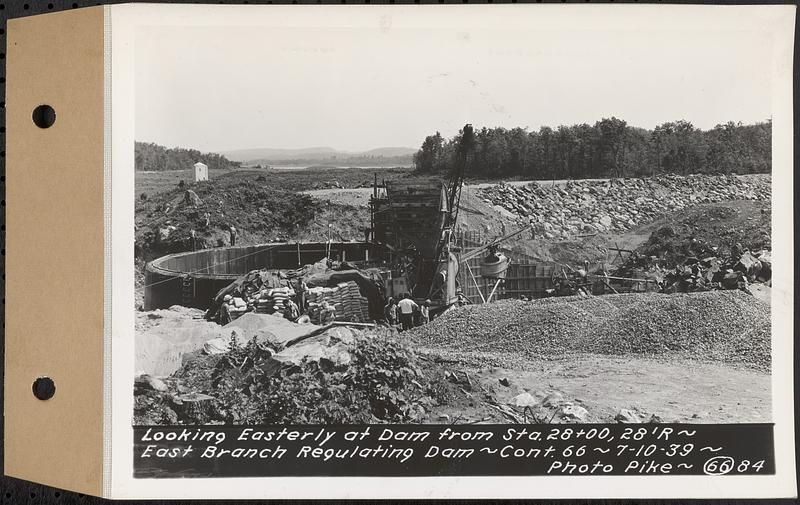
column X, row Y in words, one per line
column 200, row 172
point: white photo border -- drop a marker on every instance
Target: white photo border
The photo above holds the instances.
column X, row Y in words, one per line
column 778, row 20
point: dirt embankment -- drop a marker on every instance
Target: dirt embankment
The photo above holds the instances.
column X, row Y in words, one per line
column 258, row 211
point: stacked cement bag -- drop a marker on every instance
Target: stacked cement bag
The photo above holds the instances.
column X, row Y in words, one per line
column 271, row 300
column 349, row 299
column 316, row 297
column 363, row 302
column 346, row 299
column 239, row 307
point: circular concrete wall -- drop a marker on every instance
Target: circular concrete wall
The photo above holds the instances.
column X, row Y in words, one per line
column 192, row 279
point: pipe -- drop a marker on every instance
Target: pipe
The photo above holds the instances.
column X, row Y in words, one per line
column 320, row 331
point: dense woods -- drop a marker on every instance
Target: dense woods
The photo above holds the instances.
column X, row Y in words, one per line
column 151, row 156
column 610, row 148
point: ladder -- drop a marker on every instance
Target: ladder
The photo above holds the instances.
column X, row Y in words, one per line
column 187, row 290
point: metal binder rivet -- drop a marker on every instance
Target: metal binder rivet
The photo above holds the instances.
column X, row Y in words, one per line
column 44, row 388
column 44, row 116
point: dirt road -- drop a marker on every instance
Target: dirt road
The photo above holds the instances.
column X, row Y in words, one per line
column 360, row 196
column 674, row 390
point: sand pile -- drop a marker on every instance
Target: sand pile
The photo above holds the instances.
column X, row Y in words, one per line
column 164, row 336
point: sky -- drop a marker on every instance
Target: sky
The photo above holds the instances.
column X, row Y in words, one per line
column 218, row 88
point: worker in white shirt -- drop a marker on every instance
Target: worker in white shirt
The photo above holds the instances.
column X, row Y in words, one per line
column 425, row 311
column 407, row 307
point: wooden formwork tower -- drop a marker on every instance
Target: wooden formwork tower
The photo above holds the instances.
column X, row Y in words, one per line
column 410, row 219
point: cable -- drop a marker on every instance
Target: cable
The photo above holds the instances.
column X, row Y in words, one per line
column 210, row 266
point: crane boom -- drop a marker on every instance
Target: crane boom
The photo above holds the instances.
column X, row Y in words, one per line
column 477, row 252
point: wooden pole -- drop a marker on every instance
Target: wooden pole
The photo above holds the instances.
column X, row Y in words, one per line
column 629, row 279
column 496, row 284
column 476, row 282
column 611, row 287
column 325, row 328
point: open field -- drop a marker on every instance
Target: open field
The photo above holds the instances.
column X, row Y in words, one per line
column 151, row 183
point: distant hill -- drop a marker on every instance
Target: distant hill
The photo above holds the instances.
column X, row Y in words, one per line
column 150, row 156
column 389, row 151
column 279, row 154
column 323, row 155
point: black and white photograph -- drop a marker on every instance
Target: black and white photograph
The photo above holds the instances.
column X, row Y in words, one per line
column 452, row 244
column 412, row 251
column 452, row 227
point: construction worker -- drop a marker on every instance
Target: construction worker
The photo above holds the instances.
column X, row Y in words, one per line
column 328, row 313
column 407, row 306
column 302, row 289
column 224, row 313
column 425, row 311
column 290, row 310
column 233, row 235
column 390, row 313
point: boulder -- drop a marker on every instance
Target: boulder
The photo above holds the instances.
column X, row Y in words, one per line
column 628, row 417
column 191, row 198
column 554, row 399
column 732, row 279
column 524, row 400
column 748, row 265
column 148, row 382
column 217, row 345
column 765, row 257
column 341, row 334
column 573, row 413
column 314, row 351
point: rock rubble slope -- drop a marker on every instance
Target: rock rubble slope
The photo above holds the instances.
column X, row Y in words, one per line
column 582, row 207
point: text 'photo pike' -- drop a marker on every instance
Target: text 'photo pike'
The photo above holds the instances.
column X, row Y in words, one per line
column 394, row 251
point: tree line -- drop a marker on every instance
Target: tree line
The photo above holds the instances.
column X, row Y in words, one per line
column 150, row 156
column 609, row 148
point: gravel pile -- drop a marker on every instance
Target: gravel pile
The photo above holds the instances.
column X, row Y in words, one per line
column 726, row 326
column 617, row 205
